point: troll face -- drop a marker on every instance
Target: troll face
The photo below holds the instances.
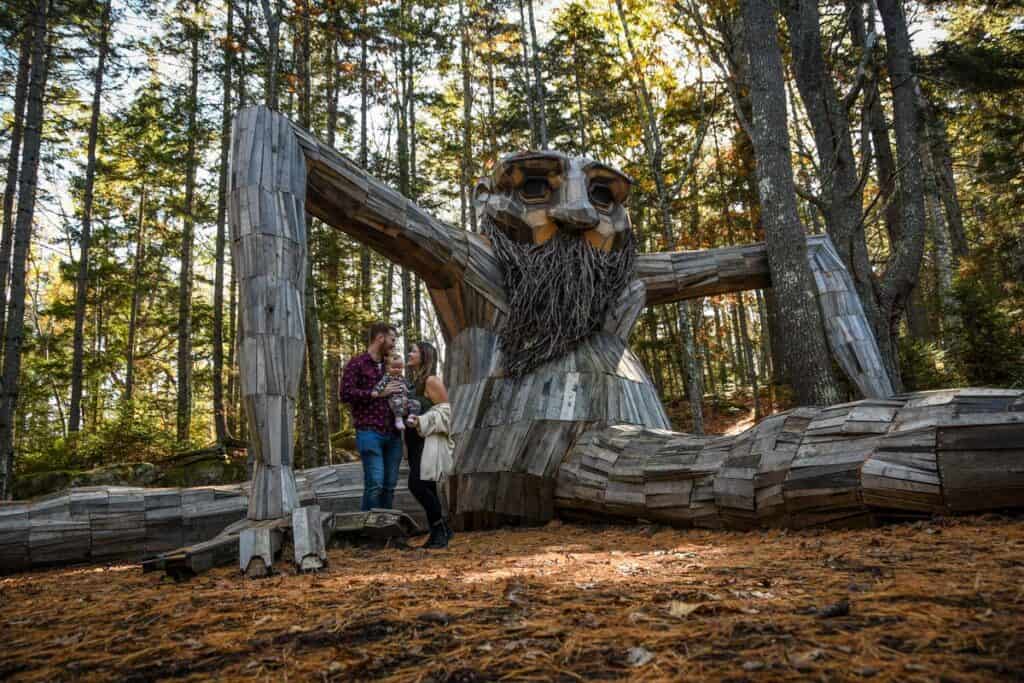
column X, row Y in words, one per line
column 532, row 196
column 561, row 232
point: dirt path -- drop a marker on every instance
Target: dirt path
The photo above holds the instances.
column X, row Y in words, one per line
column 941, row 601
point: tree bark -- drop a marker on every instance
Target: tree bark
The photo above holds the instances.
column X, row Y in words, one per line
column 842, row 193
column 365, row 275
column 538, row 82
column 529, row 91
column 655, row 159
column 13, row 156
column 466, row 180
column 273, row 19
column 945, row 183
column 748, row 357
column 807, row 355
column 133, row 314
column 900, row 275
column 184, row 354
column 333, row 256
column 318, row 447
column 219, row 413
column 13, row 334
column 82, row 282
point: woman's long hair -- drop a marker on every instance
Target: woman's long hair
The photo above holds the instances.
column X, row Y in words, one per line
column 428, row 366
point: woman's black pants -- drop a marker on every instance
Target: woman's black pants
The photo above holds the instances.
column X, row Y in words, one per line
column 425, row 492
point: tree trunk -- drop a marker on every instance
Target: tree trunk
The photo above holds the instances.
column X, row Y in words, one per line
column 900, row 275
column 766, row 350
column 184, row 357
column 937, row 144
column 219, row 413
column 581, row 116
column 655, row 158
column 22, row 237
column 538, row 81
column 333, row 256
column 13, row 156
column 748, row 357
column 389, row 287
column 82, row 282
column 807, row 355
column 528, row 91
column 875, row 117
column 273, row 19
column 466, row 177
column 318, row 449
column 365, row 283
column 133, row 314
column 839, row 178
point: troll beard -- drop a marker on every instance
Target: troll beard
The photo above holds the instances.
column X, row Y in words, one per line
column 558, row 294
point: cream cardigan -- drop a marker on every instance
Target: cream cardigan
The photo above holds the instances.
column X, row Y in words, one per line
column 433, row 426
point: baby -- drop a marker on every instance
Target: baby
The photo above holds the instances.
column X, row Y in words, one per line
column 398, row 400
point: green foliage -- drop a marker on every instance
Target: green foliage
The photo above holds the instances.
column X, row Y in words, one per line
column 133, row 437
column 925, row 365
column 990, row 344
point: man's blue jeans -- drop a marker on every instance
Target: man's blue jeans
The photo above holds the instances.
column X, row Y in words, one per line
column 381, row 456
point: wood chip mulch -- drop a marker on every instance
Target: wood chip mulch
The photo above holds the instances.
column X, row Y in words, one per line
column 935, row 601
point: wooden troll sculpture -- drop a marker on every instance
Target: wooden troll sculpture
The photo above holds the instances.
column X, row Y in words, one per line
column 551, row 409
column 576, row 424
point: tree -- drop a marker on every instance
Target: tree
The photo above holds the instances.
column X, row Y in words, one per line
column 666, row 194
column 13, row 156
column 14, row 331
column 184, row 357
column 219, row 412
column 806, row 353
column 82, row 282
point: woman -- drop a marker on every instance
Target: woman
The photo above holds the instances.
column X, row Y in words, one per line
column 427, row 390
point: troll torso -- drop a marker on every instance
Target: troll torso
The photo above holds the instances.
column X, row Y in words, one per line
column 552, row 360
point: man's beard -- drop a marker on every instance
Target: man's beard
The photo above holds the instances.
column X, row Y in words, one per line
column 558, row 294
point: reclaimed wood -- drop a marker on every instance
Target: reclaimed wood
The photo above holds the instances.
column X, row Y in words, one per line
column 684, row 275
column 82, row 525
column 523, row 427
column 584, row 433
column 958, row 450
column 266, row 209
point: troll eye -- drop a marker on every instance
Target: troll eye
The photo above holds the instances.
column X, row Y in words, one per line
column 534, row 189
column 601, row 196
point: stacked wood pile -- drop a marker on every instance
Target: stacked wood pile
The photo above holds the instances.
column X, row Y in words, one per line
column 959, row 450
column 108, row 523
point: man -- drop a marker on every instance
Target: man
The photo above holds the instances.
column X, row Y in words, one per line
column 378, row 441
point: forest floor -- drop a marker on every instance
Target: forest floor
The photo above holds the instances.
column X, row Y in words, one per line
column 929, row 601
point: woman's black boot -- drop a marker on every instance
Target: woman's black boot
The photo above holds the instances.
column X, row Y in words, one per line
column 438, row 536
column 449, row 533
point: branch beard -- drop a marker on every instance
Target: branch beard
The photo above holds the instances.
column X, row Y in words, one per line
column 559, row 293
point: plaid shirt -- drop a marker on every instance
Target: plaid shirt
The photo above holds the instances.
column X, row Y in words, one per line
column 357, row 382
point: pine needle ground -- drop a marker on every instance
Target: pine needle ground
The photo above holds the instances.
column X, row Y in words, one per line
column 941, row 600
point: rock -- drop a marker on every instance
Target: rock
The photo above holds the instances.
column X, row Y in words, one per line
column 638, row 656
column 753, row 665
column 866, row 671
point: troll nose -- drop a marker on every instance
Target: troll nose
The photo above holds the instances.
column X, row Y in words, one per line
column 575, row 217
